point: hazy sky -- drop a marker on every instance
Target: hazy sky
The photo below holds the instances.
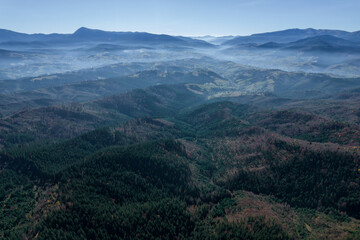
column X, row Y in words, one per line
column 178, row 17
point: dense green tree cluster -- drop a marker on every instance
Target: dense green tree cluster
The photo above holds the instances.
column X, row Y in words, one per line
column 308, row 178
column 17, row 200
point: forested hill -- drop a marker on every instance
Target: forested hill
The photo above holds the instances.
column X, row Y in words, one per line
column 201, row 173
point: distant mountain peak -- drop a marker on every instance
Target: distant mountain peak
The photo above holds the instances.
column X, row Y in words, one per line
column 84, row 30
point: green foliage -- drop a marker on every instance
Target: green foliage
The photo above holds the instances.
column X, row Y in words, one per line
column 15, row 139
column 254, row 228
column 334, row 213
column 16, row 200
column 135, row 181
column 219, row 118
column 219, row 209
column 312, row 179
column 165, row 219
column 108, row 189
column 354, row 235
column 52, row 159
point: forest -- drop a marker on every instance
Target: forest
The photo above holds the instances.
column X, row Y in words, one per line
column 177, row 177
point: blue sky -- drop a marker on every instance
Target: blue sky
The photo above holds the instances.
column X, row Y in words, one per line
column 178, row 17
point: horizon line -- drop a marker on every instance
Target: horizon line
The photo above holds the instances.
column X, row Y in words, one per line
column 185, row 35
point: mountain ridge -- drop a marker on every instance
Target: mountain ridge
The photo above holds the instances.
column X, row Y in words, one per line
column 290, row 35
column 321, row 43
column 84, row 34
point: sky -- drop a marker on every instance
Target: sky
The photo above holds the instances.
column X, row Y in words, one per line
column 179, row 17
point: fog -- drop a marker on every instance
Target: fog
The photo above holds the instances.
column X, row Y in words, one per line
column 342, row 64
column 19, row 60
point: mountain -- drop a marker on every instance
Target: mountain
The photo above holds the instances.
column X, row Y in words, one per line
column 323, row 43
column 268, row 45
column 41, row 54
column 291, row 35
column 10, row 36
column 93, row 35
column 87, row 35
column 316, row 54
column 7, row 35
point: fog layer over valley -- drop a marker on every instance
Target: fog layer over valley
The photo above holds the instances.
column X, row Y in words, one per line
column 308, row 50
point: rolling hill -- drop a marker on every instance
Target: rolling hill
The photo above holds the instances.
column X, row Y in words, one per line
column 166, row 167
